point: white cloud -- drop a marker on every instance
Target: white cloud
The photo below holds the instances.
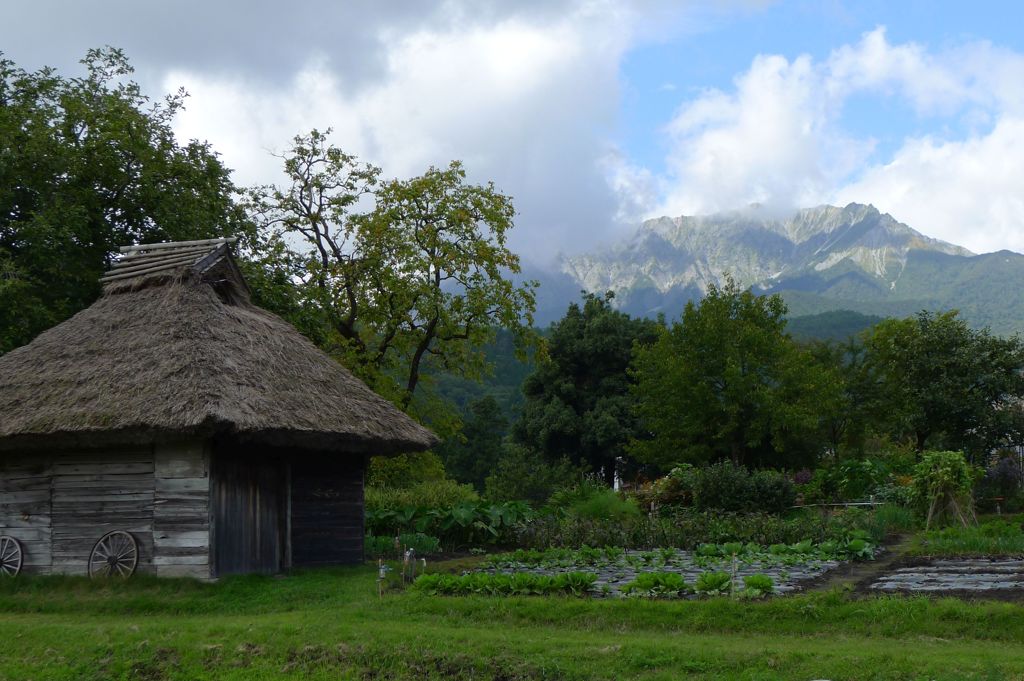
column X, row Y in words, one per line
column 773, row 141
column 636, row 189
column 527, row 105
column 779, row 138
column 527, row 94
column 907, row 70
column 970, row 192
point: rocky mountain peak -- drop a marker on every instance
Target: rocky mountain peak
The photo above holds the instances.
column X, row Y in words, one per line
column 823, row 258
column 755, row 246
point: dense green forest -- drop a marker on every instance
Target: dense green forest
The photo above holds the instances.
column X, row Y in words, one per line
column 509, row 369
column 834, row 325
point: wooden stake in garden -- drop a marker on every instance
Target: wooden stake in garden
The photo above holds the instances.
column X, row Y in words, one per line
column 951, row 506
column 409, row 565
column 382, row 573
column 944, row 480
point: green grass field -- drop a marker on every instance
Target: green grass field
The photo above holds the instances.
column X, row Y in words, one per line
column 331, row 625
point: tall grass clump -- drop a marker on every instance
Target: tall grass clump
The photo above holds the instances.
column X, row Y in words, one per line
column 890, row 519
column 992, row 538
column 388, row 547
column 426, row 494
column 590, row 499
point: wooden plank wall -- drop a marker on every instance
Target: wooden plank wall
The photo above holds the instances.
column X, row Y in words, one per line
column 58, row 506
column 181, row 510
column 327, row 510
column 25, row 507
column 98, row 492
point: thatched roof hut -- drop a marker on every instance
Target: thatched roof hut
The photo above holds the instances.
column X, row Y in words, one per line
column 175, row 369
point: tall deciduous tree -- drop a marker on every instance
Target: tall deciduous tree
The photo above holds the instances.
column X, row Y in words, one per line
column 946, row 385
column 387, row 274
column 728, row 383
column 86, row 165
column 578, row 404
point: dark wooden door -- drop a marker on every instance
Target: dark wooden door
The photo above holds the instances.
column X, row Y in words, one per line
column 248, row 495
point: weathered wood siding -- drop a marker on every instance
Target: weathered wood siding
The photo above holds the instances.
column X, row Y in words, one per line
column 249, row 497
column 327, row 523
column 58, row 505
column 195, row 510
column 97, row 492
column 181, row 510
column 25, row 507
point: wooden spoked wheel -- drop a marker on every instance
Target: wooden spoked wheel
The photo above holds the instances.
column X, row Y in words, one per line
column 11, row 556
column 116, row 554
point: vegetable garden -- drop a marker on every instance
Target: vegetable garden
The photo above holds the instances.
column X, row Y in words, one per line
column 779, row 568
column 686, row 536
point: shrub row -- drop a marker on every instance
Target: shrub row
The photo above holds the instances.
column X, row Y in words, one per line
column 464, row 524
column 722, row 486
column 727, row 487
column 688, row 528
column 426, row 494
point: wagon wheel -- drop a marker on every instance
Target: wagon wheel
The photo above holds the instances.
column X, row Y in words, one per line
column 11, row 556
column 116, row 554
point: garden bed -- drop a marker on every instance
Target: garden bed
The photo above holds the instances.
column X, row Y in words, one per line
column 791, row 568
column 956, row 576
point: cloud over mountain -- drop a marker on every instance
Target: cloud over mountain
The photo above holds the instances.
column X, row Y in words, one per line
column 781, row 138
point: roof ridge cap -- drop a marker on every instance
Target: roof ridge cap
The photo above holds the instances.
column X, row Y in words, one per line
column 178, row 244
column 147, row 259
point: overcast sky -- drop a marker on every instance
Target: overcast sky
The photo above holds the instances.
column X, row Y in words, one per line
column 595, row 115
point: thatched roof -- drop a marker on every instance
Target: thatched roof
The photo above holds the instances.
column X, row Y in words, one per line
column 175, row 349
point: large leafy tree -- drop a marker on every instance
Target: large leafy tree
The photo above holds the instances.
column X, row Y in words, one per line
column 727, row 382
column 88, row 164
column 577, row 402
column 388, row 274
column 946, row 385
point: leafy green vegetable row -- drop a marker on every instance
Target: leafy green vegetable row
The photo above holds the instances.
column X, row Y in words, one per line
column 672, row 584
column 519, row 584
column 649, row 584
column 857, row 547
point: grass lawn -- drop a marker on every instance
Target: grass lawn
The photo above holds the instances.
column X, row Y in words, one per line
column 330, row 624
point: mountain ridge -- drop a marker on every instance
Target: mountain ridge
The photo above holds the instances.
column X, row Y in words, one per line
column 819, row 259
